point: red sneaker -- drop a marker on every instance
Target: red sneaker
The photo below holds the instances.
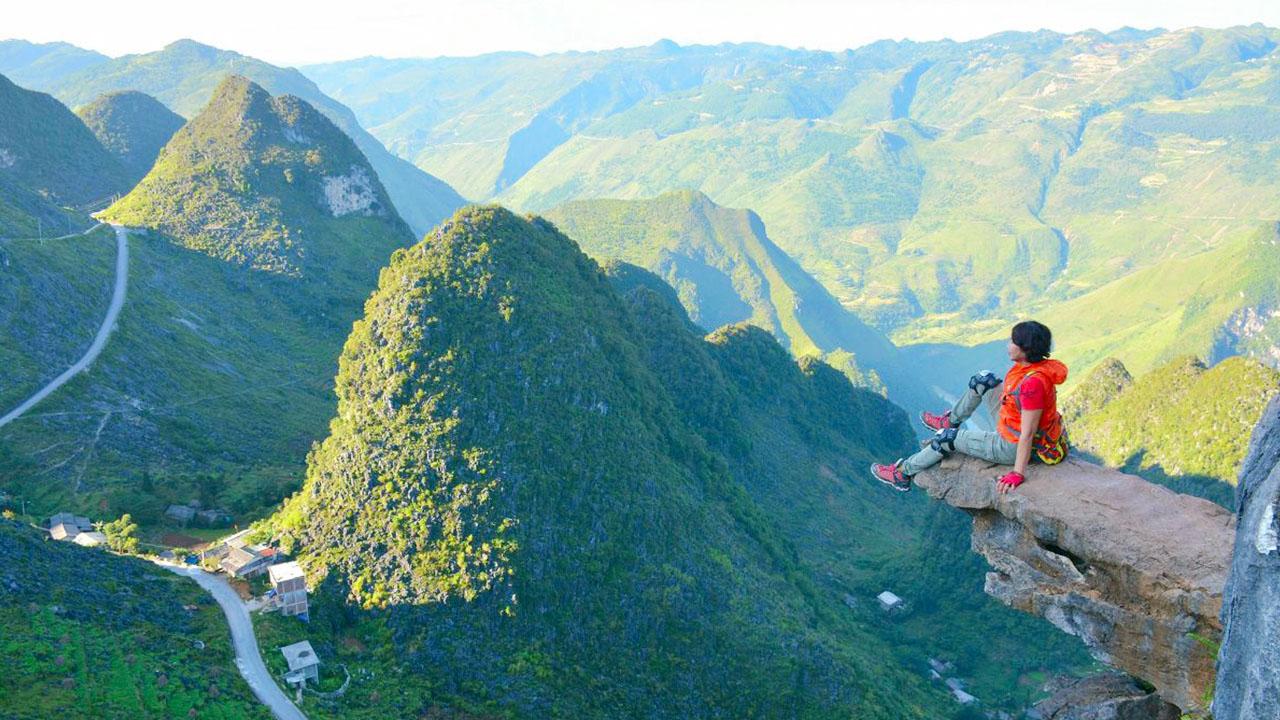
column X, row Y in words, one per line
column 936, row 422
column 891, row 475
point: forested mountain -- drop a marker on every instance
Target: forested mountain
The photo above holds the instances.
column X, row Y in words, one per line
column 133, row 126
column 262, row 231
column 941, row 189
column 37, row 64
column 681, row 545
column 49, row 162
column 184, row 73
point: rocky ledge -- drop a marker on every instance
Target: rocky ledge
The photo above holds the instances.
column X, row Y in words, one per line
column 1133, row 569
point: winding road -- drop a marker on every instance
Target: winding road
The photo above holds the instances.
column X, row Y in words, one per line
column 104, row 331
column 248, row 659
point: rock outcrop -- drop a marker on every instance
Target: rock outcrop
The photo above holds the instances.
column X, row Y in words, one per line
column 1106, row 696
column 1134, row 570
column 1248, row 684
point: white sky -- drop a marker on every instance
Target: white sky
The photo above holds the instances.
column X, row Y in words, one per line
column 289, row 32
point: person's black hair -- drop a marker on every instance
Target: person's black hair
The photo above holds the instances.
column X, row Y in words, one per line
column 1034, row 339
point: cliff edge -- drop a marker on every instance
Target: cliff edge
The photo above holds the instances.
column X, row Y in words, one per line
column 1136, row 571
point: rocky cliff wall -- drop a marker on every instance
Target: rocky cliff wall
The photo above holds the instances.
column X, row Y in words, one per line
column 1248, row 684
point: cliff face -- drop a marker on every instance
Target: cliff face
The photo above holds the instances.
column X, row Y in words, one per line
column 1248, row 685
column 1134, row 570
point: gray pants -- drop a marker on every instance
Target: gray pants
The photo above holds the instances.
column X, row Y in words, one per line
column 986, row 444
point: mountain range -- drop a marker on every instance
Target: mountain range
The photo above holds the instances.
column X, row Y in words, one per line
column 942, row 190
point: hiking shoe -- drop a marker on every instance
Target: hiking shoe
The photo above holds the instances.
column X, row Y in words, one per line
column 936, row 422
column 892, row 476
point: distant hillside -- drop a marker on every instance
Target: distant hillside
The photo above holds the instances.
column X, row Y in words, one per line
column 184, row 73
column 85, row 633
column 133, row 126
column 942, row 190
column 725, row 270
column 1179, row 423
column 36, row 65
column 264, row 231
column 48, row 159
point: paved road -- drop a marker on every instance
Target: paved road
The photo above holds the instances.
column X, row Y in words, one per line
column 104, row 331
column 248, row 660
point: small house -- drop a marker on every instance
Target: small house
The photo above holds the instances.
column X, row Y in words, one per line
column 245, row 561
column 957, row 689
column 93, row 538
column 78, row 522
column 180, row 513
column 290, row 584
column 890, row 602
column 64, row 531
column 303, row 663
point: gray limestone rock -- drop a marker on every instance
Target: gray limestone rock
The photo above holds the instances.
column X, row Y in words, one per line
column 1248, row 684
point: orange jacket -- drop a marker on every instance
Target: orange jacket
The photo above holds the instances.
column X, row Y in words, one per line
column 1010, row 422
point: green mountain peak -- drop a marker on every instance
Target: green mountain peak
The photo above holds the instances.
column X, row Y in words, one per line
column 267, row 182
column 133, row 126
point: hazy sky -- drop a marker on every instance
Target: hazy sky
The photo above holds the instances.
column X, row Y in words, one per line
column 295, row 32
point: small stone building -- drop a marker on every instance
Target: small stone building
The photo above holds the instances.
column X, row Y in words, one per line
column 303, row 663
column 290, row 585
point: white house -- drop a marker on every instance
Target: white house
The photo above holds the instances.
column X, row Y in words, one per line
column 93, row 538
column 303, row 663
column 889, row 601
column 290, row 585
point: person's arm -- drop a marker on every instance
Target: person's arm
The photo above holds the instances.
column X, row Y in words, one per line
column 1030, row 423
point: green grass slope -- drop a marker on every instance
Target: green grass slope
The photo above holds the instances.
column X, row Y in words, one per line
column 184, row 73
column 89, row 634
column 133, row 126
column 561, row 500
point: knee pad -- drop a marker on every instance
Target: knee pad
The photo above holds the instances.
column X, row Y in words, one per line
column 944, row 441
column 983, row 382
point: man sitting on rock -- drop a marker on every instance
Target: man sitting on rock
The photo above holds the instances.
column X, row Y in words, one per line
column 1025, row 410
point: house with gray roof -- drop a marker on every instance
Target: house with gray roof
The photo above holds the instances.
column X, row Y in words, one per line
column 303, row 663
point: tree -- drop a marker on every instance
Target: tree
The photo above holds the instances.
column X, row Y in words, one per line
column 120, row 534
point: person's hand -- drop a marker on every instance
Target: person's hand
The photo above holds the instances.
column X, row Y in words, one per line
column 1009, row 481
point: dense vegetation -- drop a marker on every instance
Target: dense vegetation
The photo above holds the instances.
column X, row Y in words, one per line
column 218, row 377
column 1183, row 424
column 184, row 73
column 84, row 633
column 133, row 126
column 558, row 499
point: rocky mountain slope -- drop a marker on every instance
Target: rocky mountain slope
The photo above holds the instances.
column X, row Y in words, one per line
column 133, row 126
column 263, row 230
